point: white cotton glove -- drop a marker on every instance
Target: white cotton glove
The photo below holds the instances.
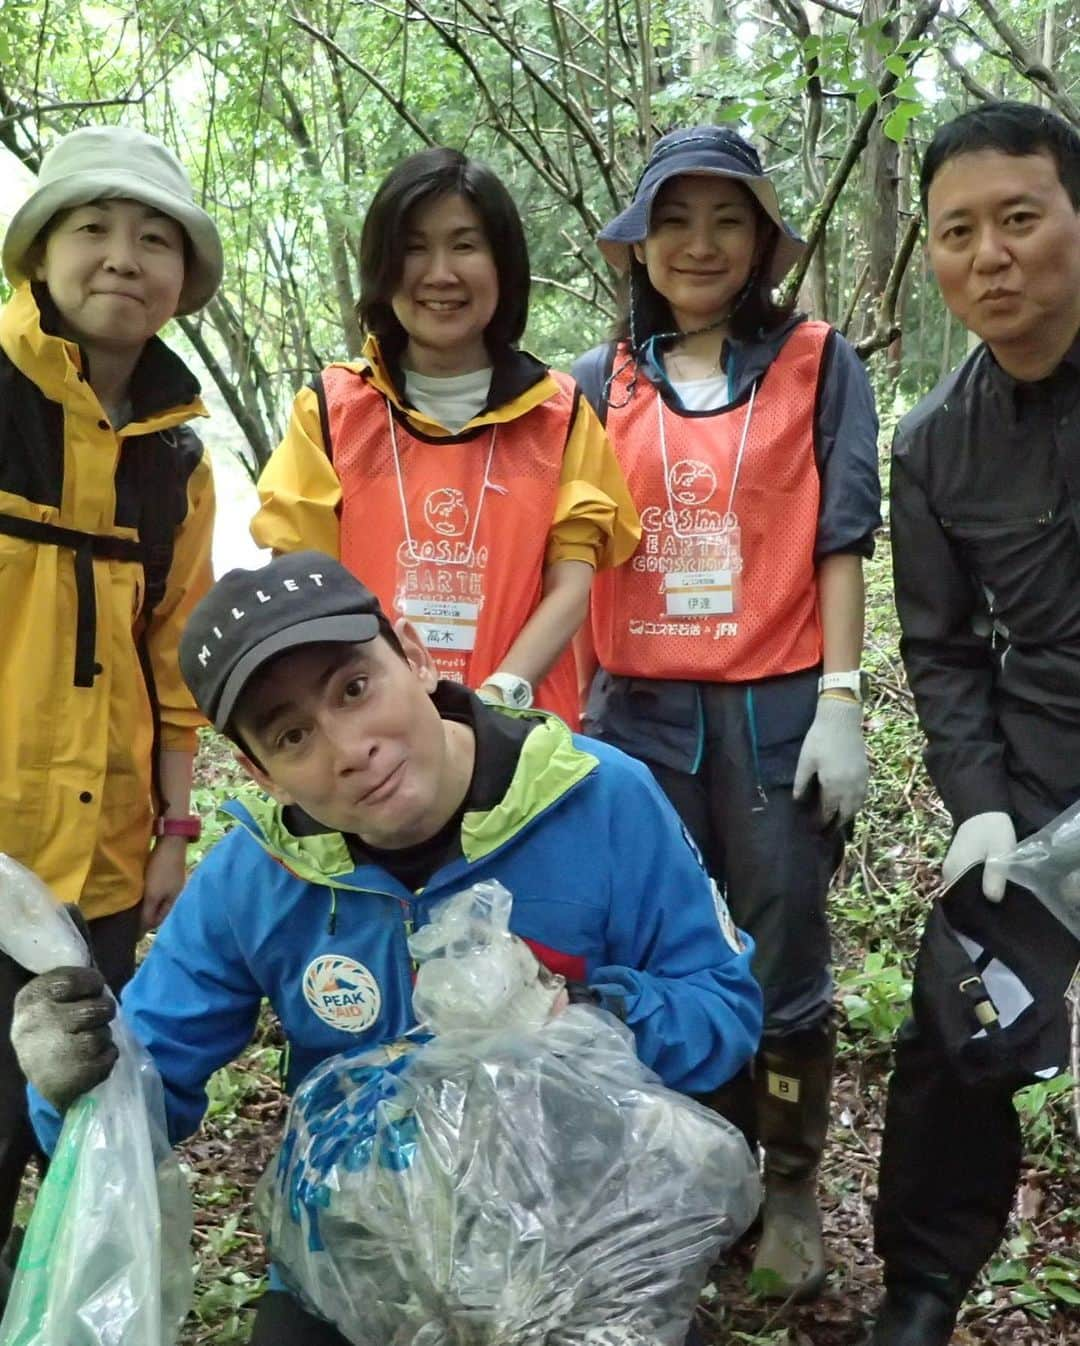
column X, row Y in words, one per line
column 834, row 752
column 60, row 1032
column 979, row 839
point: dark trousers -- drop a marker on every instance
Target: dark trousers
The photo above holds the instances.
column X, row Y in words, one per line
column 280, row 1320
column 950, row 1162
column 114, row 939
column 951, row 1152
column 770, row 853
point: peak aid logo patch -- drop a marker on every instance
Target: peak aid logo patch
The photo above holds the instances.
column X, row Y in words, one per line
column 342, row 992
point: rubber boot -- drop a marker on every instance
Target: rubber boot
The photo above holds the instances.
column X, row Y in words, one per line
column 919, row 1311
column 793, row 1076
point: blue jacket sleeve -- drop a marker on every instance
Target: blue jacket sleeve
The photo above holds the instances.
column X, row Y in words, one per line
column 193, row 1003
column 45, row 1120
column 680, row 971
column 846, row 427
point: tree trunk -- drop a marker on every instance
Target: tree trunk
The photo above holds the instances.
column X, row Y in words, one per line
column 881, row 178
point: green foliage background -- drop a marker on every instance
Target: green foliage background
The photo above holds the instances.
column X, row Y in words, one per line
column 289, row 113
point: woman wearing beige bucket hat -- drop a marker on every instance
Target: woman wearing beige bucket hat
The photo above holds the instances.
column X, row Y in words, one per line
column 729, row 644
column 106, row 515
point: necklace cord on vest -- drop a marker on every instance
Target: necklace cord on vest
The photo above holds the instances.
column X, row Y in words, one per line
column 410, row 543
column 738, row 460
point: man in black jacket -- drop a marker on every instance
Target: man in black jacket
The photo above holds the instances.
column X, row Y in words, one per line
column 986, row 537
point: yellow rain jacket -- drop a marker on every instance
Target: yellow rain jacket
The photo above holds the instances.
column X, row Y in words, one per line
column 594, row 519
column 76, row 731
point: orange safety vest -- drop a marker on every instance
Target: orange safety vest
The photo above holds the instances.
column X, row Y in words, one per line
column 722, row 586
column 452, row 533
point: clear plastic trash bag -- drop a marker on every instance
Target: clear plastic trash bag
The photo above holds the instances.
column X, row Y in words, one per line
column 473, row 972
column 1047, row 863
column 523, row 1186
column 106, row 1260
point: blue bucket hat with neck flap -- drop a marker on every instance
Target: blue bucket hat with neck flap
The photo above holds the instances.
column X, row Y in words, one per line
column 700, row 150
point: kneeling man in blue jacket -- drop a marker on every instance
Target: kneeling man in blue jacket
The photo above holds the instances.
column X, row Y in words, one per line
column 387, row 791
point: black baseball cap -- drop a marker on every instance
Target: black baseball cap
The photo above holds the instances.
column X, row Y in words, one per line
column 251, row 616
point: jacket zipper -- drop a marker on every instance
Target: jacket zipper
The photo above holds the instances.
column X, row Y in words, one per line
column 990, row 526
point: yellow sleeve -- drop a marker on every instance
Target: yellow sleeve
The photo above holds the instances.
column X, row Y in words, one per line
column 299, row 491
column 190, row 577
column 595, row 518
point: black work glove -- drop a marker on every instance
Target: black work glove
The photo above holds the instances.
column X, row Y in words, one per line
column 60, row 1032
column 578, row 993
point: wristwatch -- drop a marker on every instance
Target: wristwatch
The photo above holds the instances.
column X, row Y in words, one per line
column 854, row 681
column 517, row 692
column 190, row 827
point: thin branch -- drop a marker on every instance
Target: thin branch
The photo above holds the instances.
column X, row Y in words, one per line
column 395, row 102
column 856, row 295
column 562, row 97
column 1024, row 61
column 600, row 276
column 970, row 83
column 540, row 161
column 886, row 329
column 477, row 30
column 592, row 302
column 923, row 18
column 251, row 424
column 78, row 105
column 854, row 15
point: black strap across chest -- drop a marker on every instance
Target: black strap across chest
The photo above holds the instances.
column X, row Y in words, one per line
column 86, row 547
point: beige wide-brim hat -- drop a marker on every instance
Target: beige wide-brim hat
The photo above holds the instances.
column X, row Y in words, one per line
column 102, row 162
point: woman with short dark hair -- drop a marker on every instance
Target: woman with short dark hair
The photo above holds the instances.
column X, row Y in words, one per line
column 466, row 483
column 106, row 522
column 729, row 644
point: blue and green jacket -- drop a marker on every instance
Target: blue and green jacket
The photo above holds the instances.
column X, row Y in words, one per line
column 607, row 889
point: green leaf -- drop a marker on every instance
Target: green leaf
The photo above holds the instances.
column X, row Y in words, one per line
column 896, row 65
column 896, row 123
column 1008, row 1273
column 866, row 97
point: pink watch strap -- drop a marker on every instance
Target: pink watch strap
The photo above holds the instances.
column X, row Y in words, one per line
column 190, row 827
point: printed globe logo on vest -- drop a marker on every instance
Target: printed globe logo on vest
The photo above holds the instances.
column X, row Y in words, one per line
column 342, row 992
column 691, row 482
column 446, row 513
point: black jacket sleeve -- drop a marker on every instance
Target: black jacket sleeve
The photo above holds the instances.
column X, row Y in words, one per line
column 949, row 662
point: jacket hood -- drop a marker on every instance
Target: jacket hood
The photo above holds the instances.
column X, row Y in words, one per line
column 164, row 392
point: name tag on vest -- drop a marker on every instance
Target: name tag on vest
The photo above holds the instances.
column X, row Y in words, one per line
column 443, row 626
column 691, row 593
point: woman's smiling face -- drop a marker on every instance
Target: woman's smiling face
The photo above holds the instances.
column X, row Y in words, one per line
column 115, row 271
column 449, row 287
column 702, row 246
